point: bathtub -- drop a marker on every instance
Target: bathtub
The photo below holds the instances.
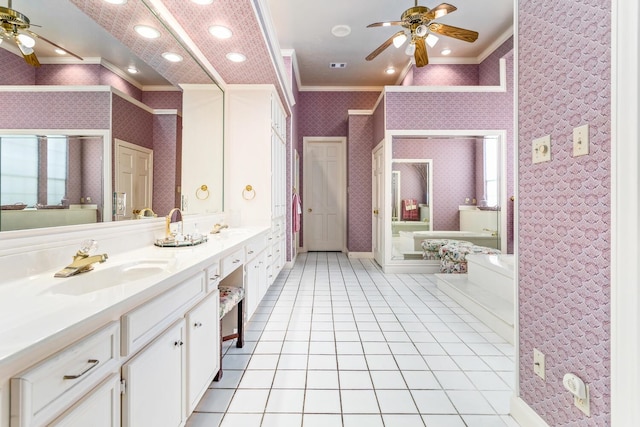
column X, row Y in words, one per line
column 481, row 239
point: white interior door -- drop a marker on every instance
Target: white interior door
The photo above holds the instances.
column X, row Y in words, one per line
column 134, row 176
column 377, row 201
column 324, row 209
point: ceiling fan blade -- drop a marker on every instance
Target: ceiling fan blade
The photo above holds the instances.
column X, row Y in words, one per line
column 31, row 59
column 53, row 44
column 439, row 11
column 383, row 46
column 385, row 24
column 455, row 32
column 420, row 55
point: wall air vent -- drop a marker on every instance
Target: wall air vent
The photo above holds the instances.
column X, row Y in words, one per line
column 338, row 65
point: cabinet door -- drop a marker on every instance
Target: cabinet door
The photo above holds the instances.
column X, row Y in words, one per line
column 100, row 408
column 155, row 392
column 252, row 287
column 203, row 347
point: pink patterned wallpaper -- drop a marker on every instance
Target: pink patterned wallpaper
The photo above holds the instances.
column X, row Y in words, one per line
column 169, row 100
column 71, row 74
column 165, row 135
column 14, row 70
column 454, row 174
column 378, row 124
column 108, row 77
column 446, row 75
column 565, row 206
column 359, row 183
column 131, row 123
column 92, row 161
column 489, row 70
column 55, row 110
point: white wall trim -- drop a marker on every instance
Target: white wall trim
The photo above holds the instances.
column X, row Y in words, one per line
column 516, row 211
column 340, row 89
column 524, row 415
column 359, row 112
column 360, row 255
column 625, row 211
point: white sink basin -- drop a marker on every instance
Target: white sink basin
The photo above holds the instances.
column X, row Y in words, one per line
column 109, row 276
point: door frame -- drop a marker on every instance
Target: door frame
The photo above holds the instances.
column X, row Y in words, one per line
column 120, row 143
column 342, row 140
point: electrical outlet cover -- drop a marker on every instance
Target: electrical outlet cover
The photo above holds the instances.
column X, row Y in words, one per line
column 581, row 141
column 541, row 149
column 583, row 404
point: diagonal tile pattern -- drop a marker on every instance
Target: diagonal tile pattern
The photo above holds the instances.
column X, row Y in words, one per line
column 337, row 343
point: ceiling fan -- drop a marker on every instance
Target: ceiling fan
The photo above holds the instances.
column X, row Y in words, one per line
column 419, row 21
column 14, row 26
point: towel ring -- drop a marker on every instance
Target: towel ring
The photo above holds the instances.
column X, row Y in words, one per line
column 248, row 193
column 202, row 193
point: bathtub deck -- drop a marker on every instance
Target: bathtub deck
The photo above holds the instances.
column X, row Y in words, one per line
column 487, row 296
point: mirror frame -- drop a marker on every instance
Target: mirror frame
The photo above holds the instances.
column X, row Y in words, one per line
column 107, row 190
column 420, row 266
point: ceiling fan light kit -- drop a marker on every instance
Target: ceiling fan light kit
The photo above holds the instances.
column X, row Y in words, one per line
column 418, row 20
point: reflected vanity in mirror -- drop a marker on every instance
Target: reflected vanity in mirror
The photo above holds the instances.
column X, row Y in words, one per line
column 175, row 235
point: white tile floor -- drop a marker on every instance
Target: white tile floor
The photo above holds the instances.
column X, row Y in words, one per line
column 336, row 342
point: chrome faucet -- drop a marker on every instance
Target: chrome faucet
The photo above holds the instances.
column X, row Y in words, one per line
column 82, row 260
column 494, row 233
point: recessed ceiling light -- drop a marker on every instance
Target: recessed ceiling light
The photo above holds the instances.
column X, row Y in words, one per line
column 220, row 32
column 132, row 70
column 172, row 57
column 60, row 51
column 202, row 1
column 445, row 51
column 116, row 1
column 341, row 30
column 147, row 32
column 236, row 57
column 390, row 70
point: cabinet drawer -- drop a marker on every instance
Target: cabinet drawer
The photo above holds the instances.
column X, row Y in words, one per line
column 254, row 247
column 231, row 262
column 145, row 322
column 45, row 390
column 213, row 276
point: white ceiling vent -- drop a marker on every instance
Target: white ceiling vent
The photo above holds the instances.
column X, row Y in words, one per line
column 338, row 65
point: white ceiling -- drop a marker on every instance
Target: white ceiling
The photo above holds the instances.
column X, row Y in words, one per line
column 305, row 26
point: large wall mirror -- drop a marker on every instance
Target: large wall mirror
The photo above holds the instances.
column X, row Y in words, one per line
column 84, row 173
column 445, row 187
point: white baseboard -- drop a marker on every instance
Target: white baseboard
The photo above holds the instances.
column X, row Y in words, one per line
column 524, row 415
column 366, row 255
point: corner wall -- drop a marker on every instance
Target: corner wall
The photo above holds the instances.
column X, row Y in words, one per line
column 564, row 59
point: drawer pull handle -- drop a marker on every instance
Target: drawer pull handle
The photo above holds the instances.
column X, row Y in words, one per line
column 214, row 278
column 250, row 252
column 197, row 325
column 235, row 261
column 92, row 364
column 178, row 344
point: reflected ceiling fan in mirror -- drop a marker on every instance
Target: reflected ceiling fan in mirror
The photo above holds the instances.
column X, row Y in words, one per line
column 419, row 21
column 15, row 28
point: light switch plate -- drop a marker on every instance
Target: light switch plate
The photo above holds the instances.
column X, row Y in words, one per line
column 581, row 141
column 541, row 149
column 538, row 364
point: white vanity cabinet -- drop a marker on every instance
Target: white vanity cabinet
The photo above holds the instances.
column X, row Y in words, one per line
column 155, row 382
column 203, row 347
column 100, row 408
column 45, row 390
column 255, row 156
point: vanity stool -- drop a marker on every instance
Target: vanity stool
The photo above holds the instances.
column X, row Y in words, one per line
column 231, row 296
column 431, row 247
column 454, row 257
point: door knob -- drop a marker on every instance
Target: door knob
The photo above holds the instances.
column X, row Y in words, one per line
column 375, row 211
column 309, row 210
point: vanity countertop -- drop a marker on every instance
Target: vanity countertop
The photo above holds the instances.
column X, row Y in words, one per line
column 37, row 309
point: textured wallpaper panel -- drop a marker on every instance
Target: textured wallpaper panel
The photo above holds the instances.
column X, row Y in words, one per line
column 454, row 174
column 489, row 69
column 56, row 110
column 71, row 74
column 165, row 130
column 131, row 123
column 359, row 183
column 170, row 100
column 14, row 70
column 565, row 206
column 446, row 75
